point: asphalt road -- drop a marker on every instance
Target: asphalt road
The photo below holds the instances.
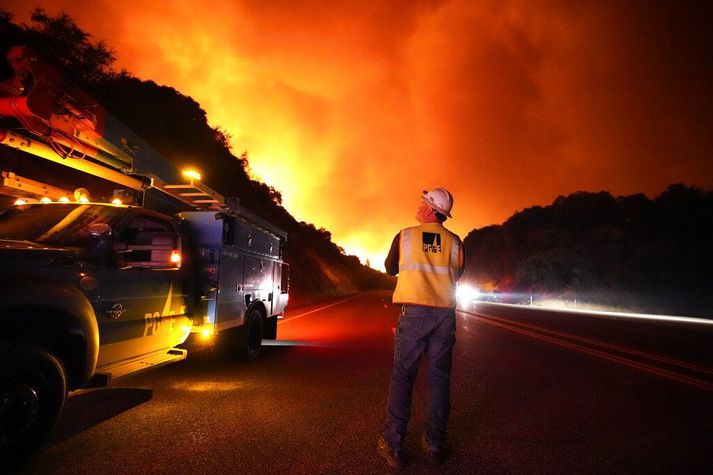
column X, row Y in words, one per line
column 531, row 394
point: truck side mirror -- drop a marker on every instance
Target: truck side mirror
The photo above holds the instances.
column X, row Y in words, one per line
column 99, row 230
column 162, row 251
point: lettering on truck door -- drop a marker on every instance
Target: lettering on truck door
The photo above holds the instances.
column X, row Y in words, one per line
column 142, row 310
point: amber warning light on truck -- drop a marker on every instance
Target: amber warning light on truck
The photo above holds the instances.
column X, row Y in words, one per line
column 194, row 175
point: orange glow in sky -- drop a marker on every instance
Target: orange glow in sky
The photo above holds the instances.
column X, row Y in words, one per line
column 350, row 108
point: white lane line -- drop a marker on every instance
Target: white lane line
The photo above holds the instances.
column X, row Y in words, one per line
column 320, row 308
column 601, row 344
column 681, row 378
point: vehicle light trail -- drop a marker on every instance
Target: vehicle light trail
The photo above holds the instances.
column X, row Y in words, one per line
column 640, row 316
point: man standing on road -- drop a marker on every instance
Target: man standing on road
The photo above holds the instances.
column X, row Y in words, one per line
column 428, row 259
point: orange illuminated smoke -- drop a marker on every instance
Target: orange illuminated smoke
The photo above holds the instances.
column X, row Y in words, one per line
column 522, row 89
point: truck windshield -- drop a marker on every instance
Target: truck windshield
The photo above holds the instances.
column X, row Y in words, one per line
column 55, row 224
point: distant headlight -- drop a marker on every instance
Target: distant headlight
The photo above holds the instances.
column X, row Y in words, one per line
column 465, row 294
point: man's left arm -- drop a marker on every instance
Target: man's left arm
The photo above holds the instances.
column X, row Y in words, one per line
column 392, row 260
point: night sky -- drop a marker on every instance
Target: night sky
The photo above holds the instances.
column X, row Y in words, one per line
column 351, row 108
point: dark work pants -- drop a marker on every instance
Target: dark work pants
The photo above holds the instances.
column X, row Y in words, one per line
column 421, row 330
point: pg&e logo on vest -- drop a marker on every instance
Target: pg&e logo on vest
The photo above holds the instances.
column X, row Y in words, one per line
column 431, row 242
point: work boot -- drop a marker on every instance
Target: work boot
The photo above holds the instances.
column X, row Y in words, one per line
column 435, row 457
column 394, row 457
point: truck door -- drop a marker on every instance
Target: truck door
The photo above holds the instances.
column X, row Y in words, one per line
column 231, row 294
column 142, row 310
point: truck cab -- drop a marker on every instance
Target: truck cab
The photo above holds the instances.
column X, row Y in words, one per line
column 117, row 259
column 90, row 292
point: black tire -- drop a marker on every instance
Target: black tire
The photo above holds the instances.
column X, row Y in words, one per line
column 250, row 336
column 33, row 387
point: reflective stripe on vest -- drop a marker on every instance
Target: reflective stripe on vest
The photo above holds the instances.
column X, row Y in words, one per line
column 427, row 270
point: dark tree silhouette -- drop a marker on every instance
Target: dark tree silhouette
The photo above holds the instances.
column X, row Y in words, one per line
column 177, row 126
column 628, row 252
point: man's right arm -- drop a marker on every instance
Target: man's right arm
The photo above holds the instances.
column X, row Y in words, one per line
column 392, row 260
column 461, row 267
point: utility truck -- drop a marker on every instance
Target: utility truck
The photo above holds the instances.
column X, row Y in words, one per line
column 95, row 289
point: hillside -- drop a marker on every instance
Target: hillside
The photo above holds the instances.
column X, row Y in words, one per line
column 626, row 253
column 177, row 127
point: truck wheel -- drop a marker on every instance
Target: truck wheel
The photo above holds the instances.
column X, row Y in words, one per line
column 250, row 336
column 33, row 387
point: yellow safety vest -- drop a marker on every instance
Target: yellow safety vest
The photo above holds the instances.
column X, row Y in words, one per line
column 429, row 259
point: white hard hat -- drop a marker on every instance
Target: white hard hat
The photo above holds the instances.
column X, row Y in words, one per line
column 440, row 200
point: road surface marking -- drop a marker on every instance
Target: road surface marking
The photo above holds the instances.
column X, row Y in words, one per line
column 610, row 346
column 320, row 308
column 699, row 383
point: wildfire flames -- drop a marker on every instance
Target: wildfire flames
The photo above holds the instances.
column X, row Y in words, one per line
column 350, row 109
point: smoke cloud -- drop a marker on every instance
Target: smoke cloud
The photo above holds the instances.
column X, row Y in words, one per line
column 350, row 108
